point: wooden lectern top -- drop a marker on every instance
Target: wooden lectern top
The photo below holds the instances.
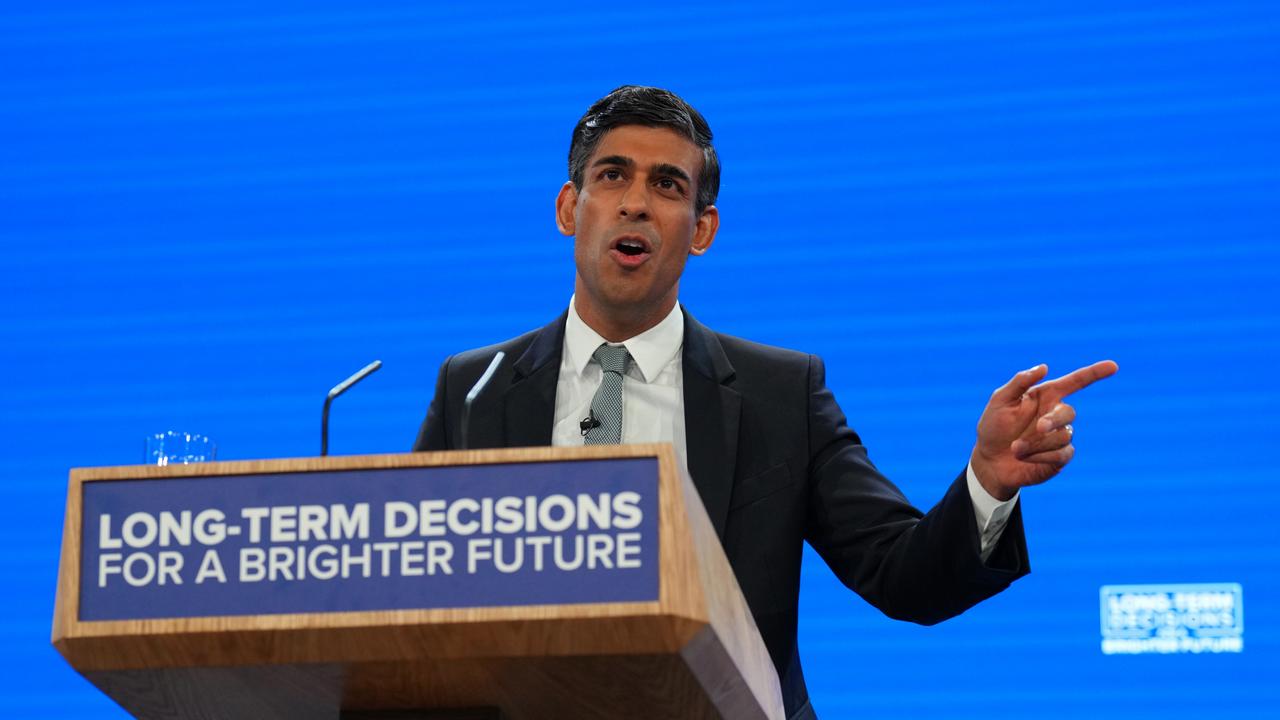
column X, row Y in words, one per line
column 689, row 651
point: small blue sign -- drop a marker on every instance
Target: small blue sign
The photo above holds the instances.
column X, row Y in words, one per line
column 582, row 531
column 1172, row 618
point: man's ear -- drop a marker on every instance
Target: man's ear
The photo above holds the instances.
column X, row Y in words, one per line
column 566, row 209
column 705, row 233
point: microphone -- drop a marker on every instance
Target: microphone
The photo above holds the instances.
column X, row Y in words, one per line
column 588, row 423
column 337, row 390
column 475, row 393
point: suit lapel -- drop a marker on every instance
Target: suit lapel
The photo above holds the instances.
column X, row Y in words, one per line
column 529, row 404
column 711, row 412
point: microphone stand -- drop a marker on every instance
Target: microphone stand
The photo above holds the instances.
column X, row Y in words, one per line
column 337, row 390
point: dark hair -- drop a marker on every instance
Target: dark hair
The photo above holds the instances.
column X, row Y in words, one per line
column 651, row 107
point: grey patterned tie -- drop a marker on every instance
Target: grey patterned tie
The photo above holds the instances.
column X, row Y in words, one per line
column 606, row 406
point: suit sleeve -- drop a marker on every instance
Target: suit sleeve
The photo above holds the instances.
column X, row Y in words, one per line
column 434, row 433
column 912, row 566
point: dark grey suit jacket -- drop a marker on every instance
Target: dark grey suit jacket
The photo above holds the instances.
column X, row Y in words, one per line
column 776, row 465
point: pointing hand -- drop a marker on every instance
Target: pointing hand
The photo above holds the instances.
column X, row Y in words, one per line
column 1024, row 434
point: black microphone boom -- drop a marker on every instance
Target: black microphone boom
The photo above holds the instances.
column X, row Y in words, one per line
column 337, row 390
column 475, row 393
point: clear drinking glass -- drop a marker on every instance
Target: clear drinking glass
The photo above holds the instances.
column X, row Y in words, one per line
column 179, row 448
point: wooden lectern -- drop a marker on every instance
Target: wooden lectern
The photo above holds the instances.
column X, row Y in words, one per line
column 690, row 651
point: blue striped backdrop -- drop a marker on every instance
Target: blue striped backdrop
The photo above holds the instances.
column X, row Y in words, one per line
column 211, row 213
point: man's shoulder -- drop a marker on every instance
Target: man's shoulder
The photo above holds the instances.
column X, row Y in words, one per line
column 751, row 365
column 531, row 349
column 707, row 339
column 738, row 347
column 483, row 355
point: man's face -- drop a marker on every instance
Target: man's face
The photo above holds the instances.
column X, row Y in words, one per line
column 634, row 223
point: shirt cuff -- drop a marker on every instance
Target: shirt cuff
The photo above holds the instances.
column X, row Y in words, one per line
column 992, row 514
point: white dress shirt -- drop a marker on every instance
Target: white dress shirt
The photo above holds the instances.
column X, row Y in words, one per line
column 653, row 402
column 652, row 390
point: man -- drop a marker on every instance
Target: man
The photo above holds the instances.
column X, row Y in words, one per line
column 762, row 437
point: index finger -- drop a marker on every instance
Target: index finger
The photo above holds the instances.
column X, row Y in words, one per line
column 1080, row 379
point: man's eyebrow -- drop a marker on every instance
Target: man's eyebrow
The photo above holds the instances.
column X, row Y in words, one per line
column 614, row 160
column 669, row 170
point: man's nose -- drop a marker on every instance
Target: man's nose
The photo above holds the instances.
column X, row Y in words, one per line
column 634, row 203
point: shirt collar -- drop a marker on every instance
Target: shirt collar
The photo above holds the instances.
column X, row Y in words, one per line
column 651, row 350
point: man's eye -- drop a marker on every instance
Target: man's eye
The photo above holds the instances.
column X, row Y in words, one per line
column 668, row 184
column 611, row 175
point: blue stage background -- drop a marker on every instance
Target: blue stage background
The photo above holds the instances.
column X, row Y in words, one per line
column 210, row 214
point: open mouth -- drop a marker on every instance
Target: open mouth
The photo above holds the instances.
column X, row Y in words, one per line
column 631, row 248
column 631, row 251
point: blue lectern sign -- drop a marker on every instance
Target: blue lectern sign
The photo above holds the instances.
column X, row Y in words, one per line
column 400, row 538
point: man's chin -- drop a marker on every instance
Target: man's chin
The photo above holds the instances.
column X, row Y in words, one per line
column 624, row 302
column 628, row 304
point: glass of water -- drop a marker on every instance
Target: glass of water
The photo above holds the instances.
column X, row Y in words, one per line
column 179, row 448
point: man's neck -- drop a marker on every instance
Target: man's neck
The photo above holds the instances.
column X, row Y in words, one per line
column 621, row 324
